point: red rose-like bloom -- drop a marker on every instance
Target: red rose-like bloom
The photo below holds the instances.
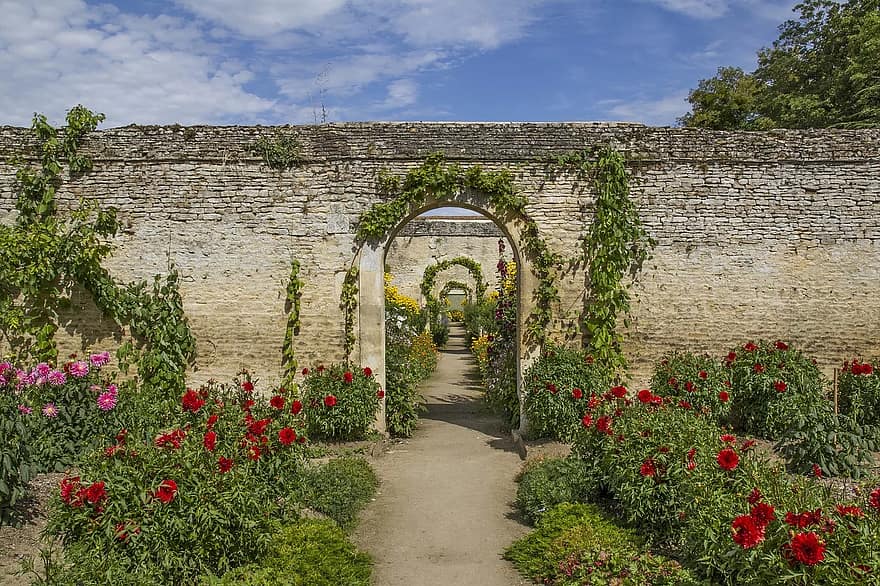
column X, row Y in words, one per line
column 727, row 459
column 347, row 377
column 849, row 511
column 750, row 347
column 604, row 424
column 277, row 401
column 619, row 392
column 731, row 356
column 225, row 464
column 874, row 499
column 258, row 427
column 763, row 514
column 551, row 387
column 689, row 386
column 166, row 491
column 746, row 531
column 577, row 393
column 210, row 441
column 758, row 368
column 684, row 404
column 329, row 401
column 755, row 496
column 380, row 394
column 254, row 453
column 780, row 386
column 647, row 468
column 95, row 493
column 587, row 420
column 296, row 407
column 247, row 386
column 305, row 372
column 211, row 421
column 806, row 548
column 780, row 345
column 368, row 372
column 286, row 436
column 192, row 401
column 724, row 396
column 645, row 396
column 703, row 374
column 68, row 488
column 728, row 439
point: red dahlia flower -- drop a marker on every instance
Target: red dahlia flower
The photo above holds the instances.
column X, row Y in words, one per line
column 806, row 548
column 247, row 386
column 780, row 386
column 211, row 421
column 703, row 374
column 329, row 401
column 166, row 491
column 286, row 436
column 648, row 469
column 755, row 496
column 645, row 396
column 604, row 425
column 95, row 493
column 758, row 368
column 780, row 345
column 551, row 387
column 874, row 499
column 728, row 459
column 368, row 372
column 724, row 396
column 347, row 377
column 763, row 514
column 587, row 420
column 728, row 439
column 689, row 386
column 192, row 401
column 577, row 393
column 296, row 407
column 210, row 441
column 619, row 392
column 731, row 356
column 277, row 401
column 746, row 531
column 225, row 464
column 380, row 394
column 750, row 347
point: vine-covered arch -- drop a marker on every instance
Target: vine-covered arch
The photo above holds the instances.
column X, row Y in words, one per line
column 430, row 276
column 453, row 285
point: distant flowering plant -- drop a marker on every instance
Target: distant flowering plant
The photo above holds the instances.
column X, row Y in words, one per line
column 696, row 379
column 341, row 402
column 859, row 392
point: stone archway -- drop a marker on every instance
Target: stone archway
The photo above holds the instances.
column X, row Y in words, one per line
column 371, row 281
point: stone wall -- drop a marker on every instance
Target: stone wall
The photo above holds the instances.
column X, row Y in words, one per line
column 773, row 235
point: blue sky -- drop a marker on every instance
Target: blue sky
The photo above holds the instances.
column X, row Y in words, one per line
column 307, row 61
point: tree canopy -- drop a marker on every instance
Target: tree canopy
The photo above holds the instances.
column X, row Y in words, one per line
column 823, row 71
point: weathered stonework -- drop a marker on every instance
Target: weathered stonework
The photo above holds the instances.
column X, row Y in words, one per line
column 773, row 235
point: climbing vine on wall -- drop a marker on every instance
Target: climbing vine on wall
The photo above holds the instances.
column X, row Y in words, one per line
column 614, row 248
column 434, row 179
column 45, row 255
column 348, row 304
column 292, row 307
column 453, row 285
column 280, row 152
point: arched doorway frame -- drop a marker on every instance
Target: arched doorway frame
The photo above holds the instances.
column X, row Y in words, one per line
column 371, row 289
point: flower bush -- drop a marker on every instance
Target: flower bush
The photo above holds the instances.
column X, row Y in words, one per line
column 407, row 365
column 204, row 495
column 558, row 388
column 696, row 382
column 340, row 488
column 341, row 401
column 859, row 392
column 547, row 483
column 771, row 383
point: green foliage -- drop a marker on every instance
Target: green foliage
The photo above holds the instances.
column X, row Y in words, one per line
column 440, row 335
column 558, row 387
column 308, row 553
column 205, row 495
column 430, row 276
column 550, row 482
column 292, row 307
column 479, row 318
column 456, row 285
column 348, row 305
column 771, row 385
column 17, row 464
column 341, row 403
column 859, row 392
column 340, row 489
column 407, row 364
column 578, row 544
column 696, row 381
column 821, row 72
column 835, row 443
column 281, row 151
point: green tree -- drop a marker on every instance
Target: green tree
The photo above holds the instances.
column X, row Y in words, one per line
column 822, row 71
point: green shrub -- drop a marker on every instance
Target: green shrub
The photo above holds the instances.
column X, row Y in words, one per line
column 205, row 495
column 695, row 381
column 577, row 544
column 406, row 365
column 341, row 488
column 859, row 392
column 558, row 389
column 771, row 385
column 341, row 402
column 439, row 334
column 309, row 553
column 479, row 318
column 550, row 482
column 17, row 465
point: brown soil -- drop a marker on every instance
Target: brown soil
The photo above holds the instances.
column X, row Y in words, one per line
column 444, row 512
column 18, row 542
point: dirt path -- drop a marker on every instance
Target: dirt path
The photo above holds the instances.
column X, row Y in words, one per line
column 444, row 511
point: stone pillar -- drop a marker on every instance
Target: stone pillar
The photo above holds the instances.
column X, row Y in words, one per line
column 371, row 318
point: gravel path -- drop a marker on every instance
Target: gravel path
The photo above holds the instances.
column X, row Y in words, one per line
column 444, row 510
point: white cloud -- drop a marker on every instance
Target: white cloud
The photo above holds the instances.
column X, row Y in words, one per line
column 653, row 112
column 258, row 18
column 702, row 9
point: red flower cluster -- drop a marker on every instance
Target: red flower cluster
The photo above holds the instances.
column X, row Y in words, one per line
column 192, row 401
column 858, row 368
column 210, row 440
column 805, row 519
column 780, row 345
column 849, row 511
column 76, row 495
column 619, row 392
column 277, row 401
column 296, row 407
column 648, row 469
column 647, row 397
column 724, row 396
column 728, row 459
column 166, row 492
column 172, row 438
column 747, row 531
column 603, row 424
column 780, row 386
column 329, row 401
column 750, row 347
column 347, row 377
column 874, row 499
column 577, row 393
